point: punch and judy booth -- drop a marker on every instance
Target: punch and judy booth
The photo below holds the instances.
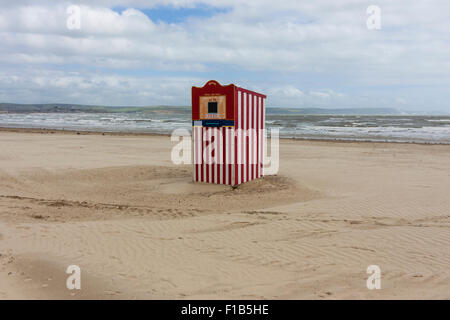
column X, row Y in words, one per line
column 228, row 125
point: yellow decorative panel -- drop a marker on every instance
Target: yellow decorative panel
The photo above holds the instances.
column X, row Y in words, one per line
column 211, row 100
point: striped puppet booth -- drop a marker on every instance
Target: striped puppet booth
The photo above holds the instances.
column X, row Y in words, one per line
column 228, row 134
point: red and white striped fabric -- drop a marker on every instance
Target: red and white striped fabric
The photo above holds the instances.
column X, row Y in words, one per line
column 249, row 137
column 232, row 155
column 213, row 154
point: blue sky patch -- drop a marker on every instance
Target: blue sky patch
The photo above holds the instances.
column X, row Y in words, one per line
column 171, row 14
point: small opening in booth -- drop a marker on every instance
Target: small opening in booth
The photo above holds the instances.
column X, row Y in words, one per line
column 212, row 107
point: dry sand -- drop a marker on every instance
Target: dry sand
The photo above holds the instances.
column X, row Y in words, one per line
column 139, row 228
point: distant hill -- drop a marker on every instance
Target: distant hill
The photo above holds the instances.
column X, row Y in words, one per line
column 76, row 108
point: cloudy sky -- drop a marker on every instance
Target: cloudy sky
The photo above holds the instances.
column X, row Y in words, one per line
column 301, row 53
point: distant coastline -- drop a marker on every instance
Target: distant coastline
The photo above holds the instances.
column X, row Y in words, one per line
column 160, row 109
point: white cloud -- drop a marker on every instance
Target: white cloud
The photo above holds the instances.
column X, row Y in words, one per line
column 319, row 94
column 287, row 91
column 325, row 40
column 43, row 86
column 326, row 94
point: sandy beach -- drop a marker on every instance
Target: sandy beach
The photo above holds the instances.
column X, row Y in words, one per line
column 138, row 228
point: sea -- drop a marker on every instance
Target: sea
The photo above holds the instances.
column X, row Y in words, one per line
column 380, row 128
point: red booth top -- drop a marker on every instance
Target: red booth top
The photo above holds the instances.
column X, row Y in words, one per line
column 223, row 98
